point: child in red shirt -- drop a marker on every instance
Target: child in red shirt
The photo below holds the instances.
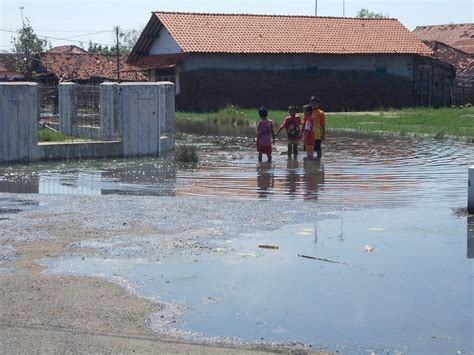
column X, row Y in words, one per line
column 308, row 131
column 292, row 125
column 265, row 135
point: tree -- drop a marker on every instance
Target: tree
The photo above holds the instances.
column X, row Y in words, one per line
column 29, row 46
column 365, row 13
column 129, row 38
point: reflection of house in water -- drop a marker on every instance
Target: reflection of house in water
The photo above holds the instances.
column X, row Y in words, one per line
column 85, row 183
column 470, row 237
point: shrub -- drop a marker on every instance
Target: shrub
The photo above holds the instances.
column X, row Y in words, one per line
column 186, row 153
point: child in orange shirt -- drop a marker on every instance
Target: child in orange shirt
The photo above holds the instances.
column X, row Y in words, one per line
column 308, row 131
column 292, row 125
column 319, row 125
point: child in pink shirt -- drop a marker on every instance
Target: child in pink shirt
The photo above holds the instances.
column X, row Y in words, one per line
column 265, row 135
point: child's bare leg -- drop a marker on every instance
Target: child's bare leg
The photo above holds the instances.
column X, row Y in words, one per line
column 260, row 155
column 309, row 151
column 269, row 157
column 295, row 149
column 289, row 149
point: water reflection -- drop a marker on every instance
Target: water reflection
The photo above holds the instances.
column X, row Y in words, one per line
column 313, row 178
column 292, row 176
column 470, row 237
column 84, row 183
column 265, row 179
column 360, row 171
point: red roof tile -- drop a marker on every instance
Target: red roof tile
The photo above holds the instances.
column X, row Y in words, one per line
column 84, row 67
column 459, row 59
column 231, row 33
column 67, row 49
column 460, row 36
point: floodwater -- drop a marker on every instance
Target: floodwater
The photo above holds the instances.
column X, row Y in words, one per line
column 389, row 271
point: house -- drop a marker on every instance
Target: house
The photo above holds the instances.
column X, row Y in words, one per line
column 71, row 63
column 459, row 36
column 8, row 71
column 462, row 61
column 454, row 43
column 255, row 60
column 67, row 50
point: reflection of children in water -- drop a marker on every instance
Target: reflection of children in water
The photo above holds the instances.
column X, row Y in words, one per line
column 313, row 178
column 265, row 180
column 292, row 176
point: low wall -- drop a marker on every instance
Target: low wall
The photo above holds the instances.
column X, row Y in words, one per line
column 88, row 150
column 142, row 113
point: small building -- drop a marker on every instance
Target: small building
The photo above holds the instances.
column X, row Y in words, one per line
column 454, row 44
column 71, row 63
column 254, row 60
column 8, row 71
column 459, row 36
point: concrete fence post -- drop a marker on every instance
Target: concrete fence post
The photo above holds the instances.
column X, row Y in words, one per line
column 19, row 116
column 110, row 124
column 470, row 191
column 67, row 107
column 167, row 116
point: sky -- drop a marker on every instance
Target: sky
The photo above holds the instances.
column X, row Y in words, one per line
column 80, row 20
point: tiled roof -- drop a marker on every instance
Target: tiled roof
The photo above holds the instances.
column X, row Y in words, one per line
column 160, row 61
column 460, row 36
column 84, row 67
column 67, row 49
column 231, row 33
column 459, row 59
column 7, row 62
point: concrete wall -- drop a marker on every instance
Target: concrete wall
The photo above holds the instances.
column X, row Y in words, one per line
column 397, row 65
column 19, row 116
column 67, row 107
column 144, row 108
column 143, row 112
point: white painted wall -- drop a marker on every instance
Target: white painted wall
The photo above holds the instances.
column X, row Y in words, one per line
column 165, row 44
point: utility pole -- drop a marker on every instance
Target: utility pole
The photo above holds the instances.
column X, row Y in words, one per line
column 22, row 18
column 343, row 8
column 316, row 8
column 118, row 53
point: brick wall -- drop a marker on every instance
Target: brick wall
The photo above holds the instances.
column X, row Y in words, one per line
column 208, row 89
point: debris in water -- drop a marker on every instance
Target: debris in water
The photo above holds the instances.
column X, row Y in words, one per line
column 246, row 255
column 320, row 259
column 221, row 250
column 306, row 232
column 369, row 248
column 264, row 246
column 377, row 230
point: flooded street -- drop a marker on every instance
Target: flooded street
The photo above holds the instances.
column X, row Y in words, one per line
column 368, row 250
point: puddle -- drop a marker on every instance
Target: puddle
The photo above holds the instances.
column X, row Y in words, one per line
column 412, row 294
column 366, row 171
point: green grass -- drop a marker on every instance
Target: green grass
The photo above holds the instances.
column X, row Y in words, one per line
column 439, row 123
column 46, row 135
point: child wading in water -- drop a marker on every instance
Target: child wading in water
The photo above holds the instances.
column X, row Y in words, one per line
column 308, row 131
column 265, row 135
column 292, row 125
column 319, row 125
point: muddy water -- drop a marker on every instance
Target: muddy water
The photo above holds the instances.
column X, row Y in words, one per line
column 354, row 170
column 395, row 277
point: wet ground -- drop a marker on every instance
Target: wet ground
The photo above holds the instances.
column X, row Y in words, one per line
column 368, row 250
